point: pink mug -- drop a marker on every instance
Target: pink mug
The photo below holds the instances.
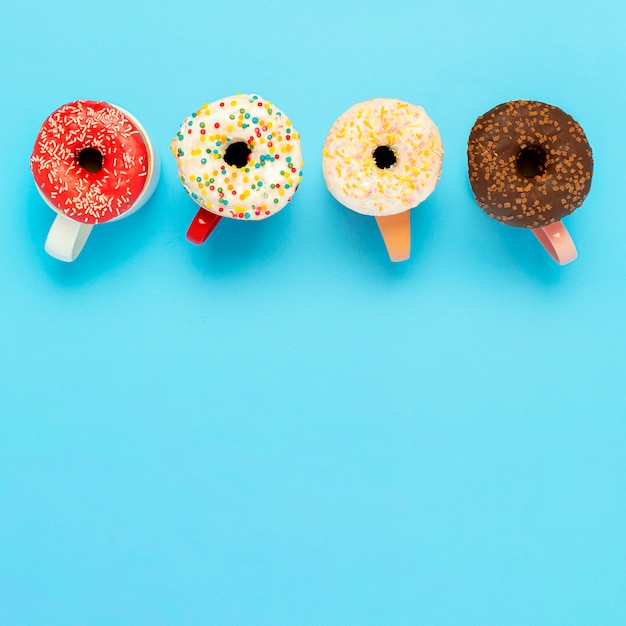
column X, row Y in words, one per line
column 529, row 166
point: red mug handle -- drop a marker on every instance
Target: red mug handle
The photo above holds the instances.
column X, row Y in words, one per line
column 557, row 241
column 202, row 226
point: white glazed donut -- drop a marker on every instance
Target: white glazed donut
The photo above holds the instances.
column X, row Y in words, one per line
column 239, row 157
column 382, row 157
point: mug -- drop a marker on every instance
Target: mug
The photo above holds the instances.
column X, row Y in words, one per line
column 239, row 157
column 382, row 158
column 93, row 162
column 529, row 166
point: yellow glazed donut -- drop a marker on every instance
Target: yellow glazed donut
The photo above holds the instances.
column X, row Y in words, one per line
column 382, row 157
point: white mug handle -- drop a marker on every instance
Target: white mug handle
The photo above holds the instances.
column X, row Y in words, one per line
column 66, row 238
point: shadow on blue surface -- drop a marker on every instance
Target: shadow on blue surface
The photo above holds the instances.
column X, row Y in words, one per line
column 516, row 246
column 237, row 246
column 361, row 238
column 108, row 247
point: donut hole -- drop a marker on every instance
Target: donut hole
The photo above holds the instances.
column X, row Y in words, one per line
column 385, row 157
column 237, row 154
column 531, row 161
column 90, row 159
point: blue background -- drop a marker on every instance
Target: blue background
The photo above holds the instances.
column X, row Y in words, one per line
column 281, row 427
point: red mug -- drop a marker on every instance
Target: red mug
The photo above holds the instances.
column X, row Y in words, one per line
column 238, row 157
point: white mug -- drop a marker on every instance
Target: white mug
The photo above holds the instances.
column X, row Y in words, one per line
column 85, row 139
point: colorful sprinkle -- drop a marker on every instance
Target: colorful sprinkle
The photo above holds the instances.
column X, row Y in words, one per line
column 267, row 138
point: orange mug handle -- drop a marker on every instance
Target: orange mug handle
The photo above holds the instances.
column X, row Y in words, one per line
column 202, row 226
column 396, row 232
column 557, row 242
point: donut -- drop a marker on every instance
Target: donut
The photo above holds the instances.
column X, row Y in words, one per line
column 239, row 157
column 91, row 161
column 382, row 157
column 529, row 163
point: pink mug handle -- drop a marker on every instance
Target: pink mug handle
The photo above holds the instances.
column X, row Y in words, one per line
column 202, row 226
column 557, row 241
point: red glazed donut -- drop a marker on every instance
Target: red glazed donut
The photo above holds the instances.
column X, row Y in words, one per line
column 91, row 161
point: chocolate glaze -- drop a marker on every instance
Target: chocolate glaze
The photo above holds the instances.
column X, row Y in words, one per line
column 529, row 163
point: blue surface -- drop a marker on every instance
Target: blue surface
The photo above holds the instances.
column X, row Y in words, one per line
column 281, row 427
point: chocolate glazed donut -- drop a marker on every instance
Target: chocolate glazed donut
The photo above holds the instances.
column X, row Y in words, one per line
column 530, row 165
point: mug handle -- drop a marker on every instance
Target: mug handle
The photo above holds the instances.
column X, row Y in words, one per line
column 66, row 238
column 557, row 241
column 202, row 226
column 396, row 232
